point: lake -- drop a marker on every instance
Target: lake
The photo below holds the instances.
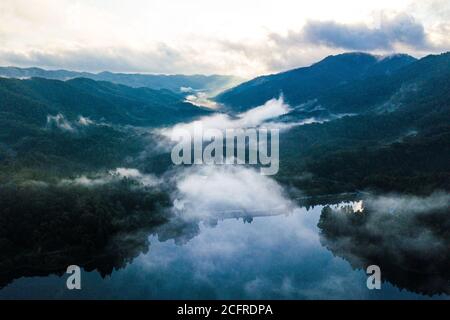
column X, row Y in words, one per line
column 277, row 256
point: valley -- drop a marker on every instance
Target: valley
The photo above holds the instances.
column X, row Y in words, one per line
column 86, row 175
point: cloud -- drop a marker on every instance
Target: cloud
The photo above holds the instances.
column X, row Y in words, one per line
column 161, row 58
column 400, row 29
column 272, row 116
column 219, row 192
column 146, row 180
column 270, row 55
column 200, row 99
column 84, row 121
column 59, row 121
column 210, row 37
column 269, row 116
column 252, row 118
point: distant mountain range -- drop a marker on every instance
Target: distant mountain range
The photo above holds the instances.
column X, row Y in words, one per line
column 175, row 83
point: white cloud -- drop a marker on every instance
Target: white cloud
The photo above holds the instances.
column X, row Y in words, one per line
column 410, row 204
column 264, row 116
column 146, row 180
column 218, row 192
column 221, row 121
column 201, row 99
column 60, row 122
column 84, row 121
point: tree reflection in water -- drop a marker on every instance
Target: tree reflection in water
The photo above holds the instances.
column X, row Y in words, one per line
column 407, row 237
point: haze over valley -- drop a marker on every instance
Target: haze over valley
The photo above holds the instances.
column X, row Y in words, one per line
column 361, row 109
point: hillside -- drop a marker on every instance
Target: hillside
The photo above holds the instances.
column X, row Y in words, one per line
column 401, row 144
column 51, row 126
column 34, row 99
column 307, row 83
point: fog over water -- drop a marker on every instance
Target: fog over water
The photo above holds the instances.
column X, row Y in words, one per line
column 234, row 234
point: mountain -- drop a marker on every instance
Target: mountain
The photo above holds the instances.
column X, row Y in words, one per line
column 176, row 83
column 397, row 140
column 50, row 126
column 35, row 99
column 425, row 78
column 303, row 84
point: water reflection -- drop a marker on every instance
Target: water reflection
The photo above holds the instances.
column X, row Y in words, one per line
column 279, row 257
column 116, row 255
column 408, row 237
column 272, row 257
column 233, row 234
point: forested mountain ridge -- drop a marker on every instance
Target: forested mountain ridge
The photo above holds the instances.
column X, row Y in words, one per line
column 34, row 99
column 306, row 83
column 401, row 145
column 52, row 127
column 425, row 79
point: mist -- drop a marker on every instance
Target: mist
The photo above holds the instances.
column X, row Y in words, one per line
column 112, row 176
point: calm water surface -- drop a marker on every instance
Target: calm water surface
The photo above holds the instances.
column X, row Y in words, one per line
column 272, row 257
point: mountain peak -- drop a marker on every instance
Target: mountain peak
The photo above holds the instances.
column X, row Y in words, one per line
column 348, row 57
column 397, row 56
column 303, row 84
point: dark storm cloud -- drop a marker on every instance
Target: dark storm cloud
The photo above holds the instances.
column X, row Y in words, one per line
column 400, row 29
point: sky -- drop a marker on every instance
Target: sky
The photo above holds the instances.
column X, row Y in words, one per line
column 244, row 38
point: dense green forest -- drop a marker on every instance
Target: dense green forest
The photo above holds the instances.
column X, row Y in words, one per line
column 303, row 84
column 404, row 146
column 381, row 153
column 45, row 228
